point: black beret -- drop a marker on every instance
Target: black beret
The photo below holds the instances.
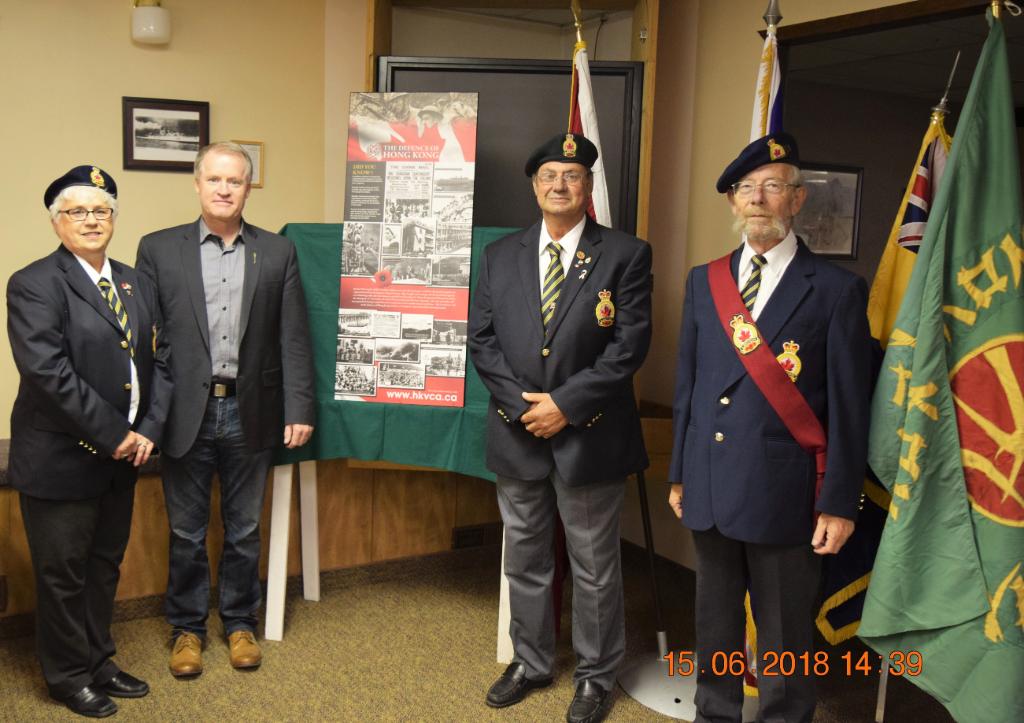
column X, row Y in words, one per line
column 777, row 148
column 564, row 148
column 81, row 176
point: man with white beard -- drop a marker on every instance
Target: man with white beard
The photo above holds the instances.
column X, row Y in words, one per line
column 770, row 436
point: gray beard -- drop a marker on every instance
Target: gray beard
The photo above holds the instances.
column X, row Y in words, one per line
column 774, row 231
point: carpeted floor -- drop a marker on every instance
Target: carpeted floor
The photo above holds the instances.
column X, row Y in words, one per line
column 411, row 640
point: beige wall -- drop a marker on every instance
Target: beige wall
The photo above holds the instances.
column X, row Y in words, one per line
column 261, row 65
column 727, row 52
column 429, row 32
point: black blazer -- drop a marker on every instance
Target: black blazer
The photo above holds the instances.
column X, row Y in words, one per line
column 71, row 411
column 587, row 368
column 756, row 483
column 275, row 382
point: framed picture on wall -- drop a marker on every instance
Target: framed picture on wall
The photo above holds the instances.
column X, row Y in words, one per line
column 163, row 135
column 255, row 151
column 830, row 216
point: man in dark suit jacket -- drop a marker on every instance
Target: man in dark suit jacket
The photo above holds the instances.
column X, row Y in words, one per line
column 560, row 321
column 232, row 303
column 743, row 484
column 94, row 393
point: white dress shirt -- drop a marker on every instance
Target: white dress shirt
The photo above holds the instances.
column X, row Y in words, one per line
column 105, row 273
column 569, row 242
column 778, row 258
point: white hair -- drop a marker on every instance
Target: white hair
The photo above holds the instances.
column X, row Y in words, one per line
column 55, row 207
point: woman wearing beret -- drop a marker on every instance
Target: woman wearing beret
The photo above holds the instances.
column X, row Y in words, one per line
column 93, row 396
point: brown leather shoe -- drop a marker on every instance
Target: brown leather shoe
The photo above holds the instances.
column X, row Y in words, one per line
column 245, row 651
column 187, row 656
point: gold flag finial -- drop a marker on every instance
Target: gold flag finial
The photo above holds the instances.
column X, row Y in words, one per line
column 577, row 20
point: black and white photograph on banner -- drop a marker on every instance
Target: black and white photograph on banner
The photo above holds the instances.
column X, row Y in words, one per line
column 354, row 379
column 354, row 350
column 453, row 238
column 443, row 361
column 355, row 322
column 401, row 210
column 406, row 350
column 399, row 374
column 453, row 194
column 417, row 326
column 387, row 324
column 360, row 252
column 408, row 270
column 450, row 271
column 449, row 332
column 391, row 245
column 418, row 237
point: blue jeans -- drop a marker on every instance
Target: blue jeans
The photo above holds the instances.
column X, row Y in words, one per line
column 219, row 447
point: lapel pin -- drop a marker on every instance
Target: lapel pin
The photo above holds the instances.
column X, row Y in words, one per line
column 583, row 274
column 580, row 254
column 126, row 287
column 254, row 257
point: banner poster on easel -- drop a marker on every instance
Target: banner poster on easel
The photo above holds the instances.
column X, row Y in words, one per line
column 405, row 249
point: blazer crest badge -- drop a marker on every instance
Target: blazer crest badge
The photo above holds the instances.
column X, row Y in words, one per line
column 605, row 309
column 744, row 335
column 789, row 361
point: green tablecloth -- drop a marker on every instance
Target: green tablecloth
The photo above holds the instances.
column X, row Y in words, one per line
column 444, row 437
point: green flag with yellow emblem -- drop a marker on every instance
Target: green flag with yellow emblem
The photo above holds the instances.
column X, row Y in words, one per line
column 946, row 598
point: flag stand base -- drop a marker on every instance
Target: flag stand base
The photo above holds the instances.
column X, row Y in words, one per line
column 648, row 683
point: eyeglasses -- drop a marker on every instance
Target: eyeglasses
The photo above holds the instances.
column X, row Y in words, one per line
column 571, row 178
column 80, row 214
column 771, row 187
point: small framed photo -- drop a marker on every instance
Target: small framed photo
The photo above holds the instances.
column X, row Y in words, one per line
column 163, row 135
column 829, row 219
column 255, row 151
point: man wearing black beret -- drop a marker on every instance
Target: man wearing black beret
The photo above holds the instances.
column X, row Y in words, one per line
column 92, row 400
column 560, row 322
column 770, row 422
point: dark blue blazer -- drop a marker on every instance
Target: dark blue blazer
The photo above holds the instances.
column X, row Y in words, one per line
column 71, row 411
column 587, row 368
column 742, row 472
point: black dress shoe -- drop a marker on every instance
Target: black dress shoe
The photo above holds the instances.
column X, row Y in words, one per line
column 92, row 702
column 512, row 686
column 590, row 704
column 123, row 685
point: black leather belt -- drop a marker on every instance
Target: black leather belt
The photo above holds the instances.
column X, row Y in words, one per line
column 222, row 389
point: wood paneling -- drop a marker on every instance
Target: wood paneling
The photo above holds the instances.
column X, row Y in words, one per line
column 345, row 497
column 475, row 501
column 413, row 513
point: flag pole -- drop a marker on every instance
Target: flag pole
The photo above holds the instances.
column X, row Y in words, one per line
column 939, row 111
column 574, row 6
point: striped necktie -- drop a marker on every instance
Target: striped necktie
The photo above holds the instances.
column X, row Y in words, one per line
column 553, row 279
column 749, row 293
column 107, row 289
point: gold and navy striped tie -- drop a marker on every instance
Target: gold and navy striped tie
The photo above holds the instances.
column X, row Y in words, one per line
column 749, row 293
column 107, row 289
column 553, row 279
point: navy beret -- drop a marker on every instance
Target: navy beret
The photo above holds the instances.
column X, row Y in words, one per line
column 81, row 176
column 777, row 148
column 564, row 148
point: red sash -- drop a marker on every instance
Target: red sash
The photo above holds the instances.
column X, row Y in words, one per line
column 762, row 366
